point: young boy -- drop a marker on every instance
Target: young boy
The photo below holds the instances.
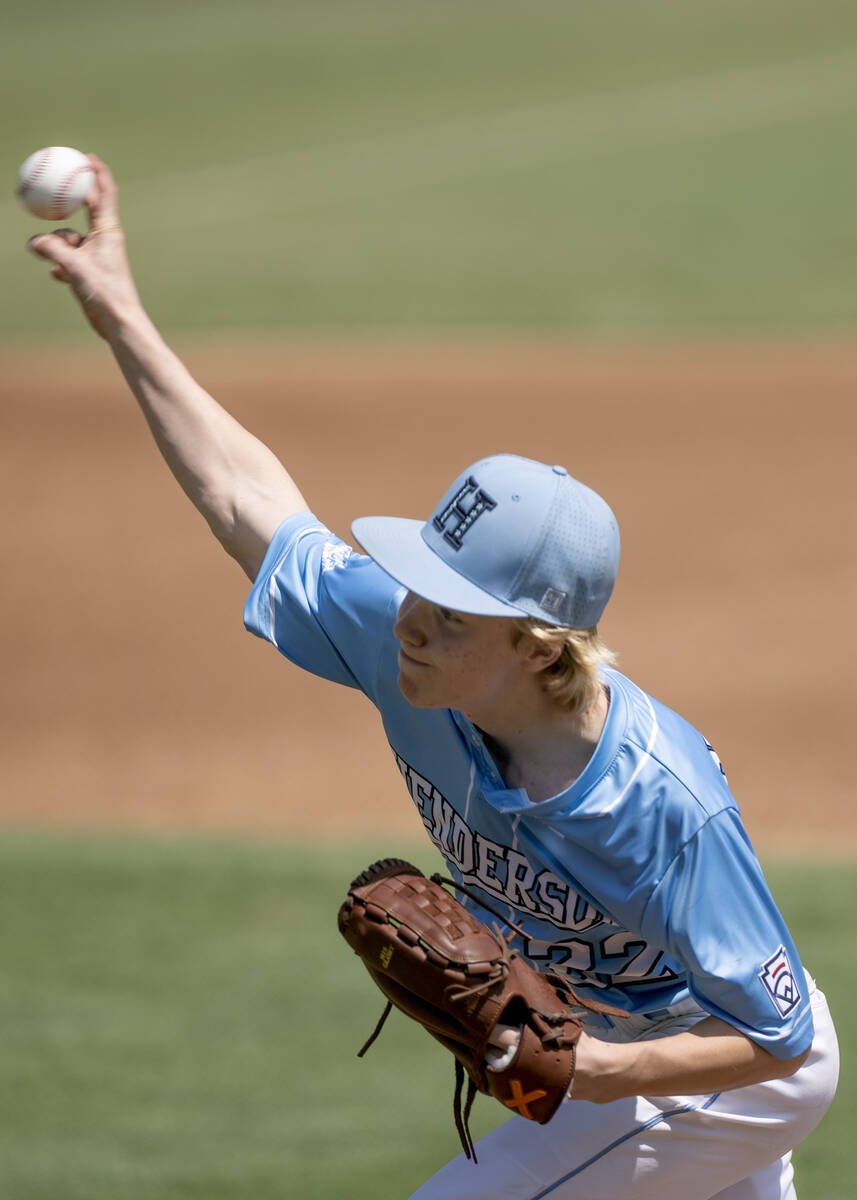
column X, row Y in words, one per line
column 553, row 786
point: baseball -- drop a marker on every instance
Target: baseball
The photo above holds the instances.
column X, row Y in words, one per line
column 54, row 182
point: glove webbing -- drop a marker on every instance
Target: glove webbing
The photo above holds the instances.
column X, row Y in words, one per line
column 460, row 887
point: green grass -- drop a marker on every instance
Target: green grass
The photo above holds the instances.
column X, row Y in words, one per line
column 643, row 167
column 180, row 1019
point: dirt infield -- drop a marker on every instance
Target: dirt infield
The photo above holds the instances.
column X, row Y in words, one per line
column 134, row 698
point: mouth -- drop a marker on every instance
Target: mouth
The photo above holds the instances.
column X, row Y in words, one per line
column 404, row 657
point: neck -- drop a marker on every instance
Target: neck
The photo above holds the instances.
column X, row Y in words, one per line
column 543, row 749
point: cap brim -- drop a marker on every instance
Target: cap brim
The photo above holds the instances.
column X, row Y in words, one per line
column 397, row 546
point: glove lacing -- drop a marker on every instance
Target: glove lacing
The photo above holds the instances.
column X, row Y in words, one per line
column 455, row 993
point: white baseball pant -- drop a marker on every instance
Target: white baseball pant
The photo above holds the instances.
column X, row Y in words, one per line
column 729, row 1146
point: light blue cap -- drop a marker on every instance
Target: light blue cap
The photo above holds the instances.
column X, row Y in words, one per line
column 511, row 538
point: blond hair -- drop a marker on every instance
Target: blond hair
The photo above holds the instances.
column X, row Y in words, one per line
column 573, row 680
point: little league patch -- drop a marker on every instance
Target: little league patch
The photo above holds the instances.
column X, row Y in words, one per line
column 780, row 983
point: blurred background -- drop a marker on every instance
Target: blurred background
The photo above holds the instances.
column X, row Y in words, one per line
column 665, row 166
column 390, row 238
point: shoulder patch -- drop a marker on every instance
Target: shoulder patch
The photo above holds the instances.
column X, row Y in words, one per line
column 716, row 758
column 334, row 554
column 780, row 983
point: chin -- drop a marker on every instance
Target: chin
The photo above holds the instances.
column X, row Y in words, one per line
column 414, row 694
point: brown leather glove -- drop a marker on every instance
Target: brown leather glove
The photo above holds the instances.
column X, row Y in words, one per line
column 459, row 979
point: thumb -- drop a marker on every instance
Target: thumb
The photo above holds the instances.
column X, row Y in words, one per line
column 58, row 247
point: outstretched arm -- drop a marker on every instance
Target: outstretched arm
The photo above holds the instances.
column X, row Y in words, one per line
column 238, row 485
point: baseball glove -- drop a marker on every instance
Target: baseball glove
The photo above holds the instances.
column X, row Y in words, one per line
column 461, row 981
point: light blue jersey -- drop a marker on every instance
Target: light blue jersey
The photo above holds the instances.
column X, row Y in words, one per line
column 638, row 882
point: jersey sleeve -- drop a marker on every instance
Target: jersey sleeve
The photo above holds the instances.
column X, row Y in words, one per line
column 713, row 912
column 326, row 608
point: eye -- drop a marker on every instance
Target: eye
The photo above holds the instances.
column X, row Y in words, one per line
column 448, row 615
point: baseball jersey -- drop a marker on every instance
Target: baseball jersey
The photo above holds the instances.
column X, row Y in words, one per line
column 638, row 881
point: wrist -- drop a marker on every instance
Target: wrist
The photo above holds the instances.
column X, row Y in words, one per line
column 604, row 1071
column 127, row 322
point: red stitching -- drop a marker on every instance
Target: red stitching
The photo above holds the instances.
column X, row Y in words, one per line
column 64, row 188
column 36, row 170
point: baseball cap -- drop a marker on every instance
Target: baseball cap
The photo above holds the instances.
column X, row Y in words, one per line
column 512, row 537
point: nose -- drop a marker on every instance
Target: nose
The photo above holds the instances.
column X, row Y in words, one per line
column 410, row 621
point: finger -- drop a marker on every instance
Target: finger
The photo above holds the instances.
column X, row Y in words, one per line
column 70, row 236
column 103, row 200
column 53, row 246
column 504, row 1036
column 59, row 274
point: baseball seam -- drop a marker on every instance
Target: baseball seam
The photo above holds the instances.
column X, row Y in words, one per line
column 37, row 170
column 63, row 189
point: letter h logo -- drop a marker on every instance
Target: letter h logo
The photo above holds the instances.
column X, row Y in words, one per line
column 465, row 507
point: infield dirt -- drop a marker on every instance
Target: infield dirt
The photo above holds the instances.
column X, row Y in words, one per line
column 134, row 699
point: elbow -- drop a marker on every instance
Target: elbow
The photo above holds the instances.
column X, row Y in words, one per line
column 248, row 551
column 236, row 537
column 789, row 1066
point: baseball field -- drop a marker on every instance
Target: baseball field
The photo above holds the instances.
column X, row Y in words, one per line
column 391, row 238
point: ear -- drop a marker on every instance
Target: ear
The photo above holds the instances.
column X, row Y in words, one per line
column 536, row 655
